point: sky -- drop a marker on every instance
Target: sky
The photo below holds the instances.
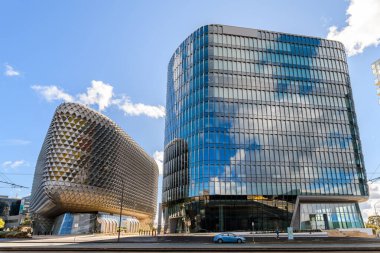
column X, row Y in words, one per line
column 112, row 56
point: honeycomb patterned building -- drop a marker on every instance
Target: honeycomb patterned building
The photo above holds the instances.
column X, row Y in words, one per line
column 86, row 164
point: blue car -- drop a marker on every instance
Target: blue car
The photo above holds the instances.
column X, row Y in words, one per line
column 228, row 237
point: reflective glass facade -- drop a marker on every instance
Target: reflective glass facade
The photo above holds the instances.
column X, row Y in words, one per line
column 258, row 123
column 330, row 216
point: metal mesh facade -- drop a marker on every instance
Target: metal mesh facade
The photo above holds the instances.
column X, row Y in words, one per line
column 258, row 124
column 85, row 163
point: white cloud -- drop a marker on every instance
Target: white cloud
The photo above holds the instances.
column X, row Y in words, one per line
column 368, row 208
column 13, row 164
column 51, row 93
column 14, row 142
column 10, row 71
column 132, row 109
column 362, row 29
column 325, row 21
column 159, row 158
column 99, row 93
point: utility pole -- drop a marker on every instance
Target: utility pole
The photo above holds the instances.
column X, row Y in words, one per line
column 121, row 211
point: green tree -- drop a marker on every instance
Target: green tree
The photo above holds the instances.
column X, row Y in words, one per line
column 374, row 220
column 374, row 223
column 26, row 222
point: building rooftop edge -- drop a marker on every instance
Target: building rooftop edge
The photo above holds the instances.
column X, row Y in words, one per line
column 256, row 30
column 287, row 33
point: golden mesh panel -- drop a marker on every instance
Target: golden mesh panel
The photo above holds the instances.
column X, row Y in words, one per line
column 85, row 161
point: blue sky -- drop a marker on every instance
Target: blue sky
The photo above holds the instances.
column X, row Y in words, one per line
column 87, row 51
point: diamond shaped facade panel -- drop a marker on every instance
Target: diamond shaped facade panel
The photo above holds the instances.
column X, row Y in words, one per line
column 85, row 164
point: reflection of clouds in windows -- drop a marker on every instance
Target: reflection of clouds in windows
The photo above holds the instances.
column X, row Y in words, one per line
column 281, row 91
column 308, row 137
column 294, row 132
column 231, row 180
column 305, row 88
column 337, row 140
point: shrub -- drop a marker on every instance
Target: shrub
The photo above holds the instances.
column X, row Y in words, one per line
column 13, row 234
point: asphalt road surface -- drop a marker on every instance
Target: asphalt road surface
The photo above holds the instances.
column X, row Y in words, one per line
column 188, row 247
column 192, row 243
column 198, row 251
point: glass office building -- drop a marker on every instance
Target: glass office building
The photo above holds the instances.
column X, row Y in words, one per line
column 260, row 133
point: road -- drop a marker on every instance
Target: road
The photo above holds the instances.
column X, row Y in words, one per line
column 188, row 247
column 192, row 243
column 53, row 251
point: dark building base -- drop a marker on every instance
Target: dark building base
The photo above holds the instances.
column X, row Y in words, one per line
column 228, row 213
column 258, row 213
column 84, row 223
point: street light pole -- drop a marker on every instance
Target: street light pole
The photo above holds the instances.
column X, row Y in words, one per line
column 121, row 211
column 253, row 231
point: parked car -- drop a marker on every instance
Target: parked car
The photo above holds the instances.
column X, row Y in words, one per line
column 228, row 237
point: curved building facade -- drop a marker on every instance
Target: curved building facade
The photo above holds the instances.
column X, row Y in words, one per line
column 86, row 164
column 260, row 133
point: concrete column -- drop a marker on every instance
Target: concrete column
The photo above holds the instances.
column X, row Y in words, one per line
column 159, row 226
